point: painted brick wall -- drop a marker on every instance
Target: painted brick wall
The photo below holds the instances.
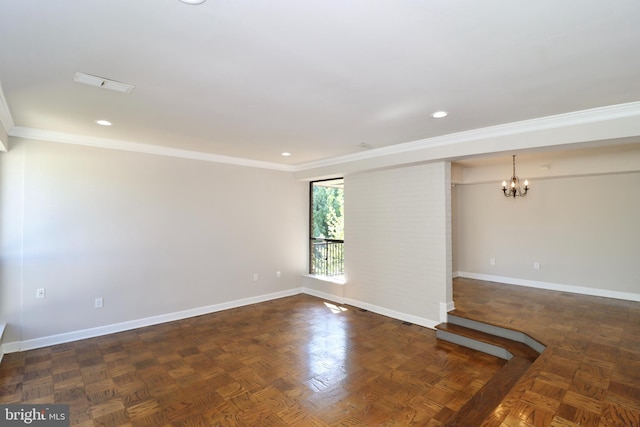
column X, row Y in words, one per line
column 398, row 239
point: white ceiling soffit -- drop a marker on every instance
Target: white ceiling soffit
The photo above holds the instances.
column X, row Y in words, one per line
column 251, row 79
column 492, row 133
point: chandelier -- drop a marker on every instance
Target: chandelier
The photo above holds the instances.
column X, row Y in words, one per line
column 513, row 188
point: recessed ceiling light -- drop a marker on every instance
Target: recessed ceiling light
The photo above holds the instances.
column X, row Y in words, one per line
column 286, row 154
column 192, row 1
column 104, row 122
column 439, row 114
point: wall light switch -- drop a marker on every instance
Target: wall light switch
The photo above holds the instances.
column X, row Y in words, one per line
column 278, row 274
column 536, row 265
column 99, row 302
column 40, row 293
column 492, row 261
column 255, row 277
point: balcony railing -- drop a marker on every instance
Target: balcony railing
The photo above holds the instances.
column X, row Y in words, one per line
column 327, row 257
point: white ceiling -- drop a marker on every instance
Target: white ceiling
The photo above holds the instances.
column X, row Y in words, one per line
column 253, row 78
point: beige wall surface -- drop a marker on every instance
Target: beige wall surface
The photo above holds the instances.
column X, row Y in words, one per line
column 154, row 235
column 584, row 232
column 149, row 234
column 397, row 239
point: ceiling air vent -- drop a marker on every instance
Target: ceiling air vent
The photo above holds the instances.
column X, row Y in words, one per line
column 103, row 83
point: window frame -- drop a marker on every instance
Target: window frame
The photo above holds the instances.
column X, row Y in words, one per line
column 313, row 239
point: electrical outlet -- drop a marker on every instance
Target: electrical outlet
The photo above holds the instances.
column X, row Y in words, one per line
column 40, row 293
column 278, row 274
column 255, row 277
column 492, row 261
column 99, row 302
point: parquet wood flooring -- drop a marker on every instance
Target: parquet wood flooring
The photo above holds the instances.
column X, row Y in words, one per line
column 589, row 374
column 301, row 361
column 489, row 397
column 297, row 361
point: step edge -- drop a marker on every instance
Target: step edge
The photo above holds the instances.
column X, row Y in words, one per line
column 481, row 346
column 498, row 331
column 514, row 347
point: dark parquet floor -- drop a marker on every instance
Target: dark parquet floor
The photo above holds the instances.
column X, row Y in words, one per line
column 589, row 375
column 301, row 361
column 296, row 361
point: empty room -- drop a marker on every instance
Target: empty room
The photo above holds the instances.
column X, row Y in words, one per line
column 337, row 213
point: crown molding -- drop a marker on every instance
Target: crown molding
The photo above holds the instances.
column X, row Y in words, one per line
column 136, row 147
column 6, row 121
column 582, row 117
column 565, row 120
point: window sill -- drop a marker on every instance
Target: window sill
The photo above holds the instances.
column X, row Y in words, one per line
column 338, row 280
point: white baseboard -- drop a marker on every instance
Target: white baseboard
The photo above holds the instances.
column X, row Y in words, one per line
column 445, row 308
column 12, row 347
column 427, row 323
column 323, row 295
column 552, row 286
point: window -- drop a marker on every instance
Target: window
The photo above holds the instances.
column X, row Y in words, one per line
column 326, row 228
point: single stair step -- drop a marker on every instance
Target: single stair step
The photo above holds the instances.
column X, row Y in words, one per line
column 487, row 343
column 496, row 330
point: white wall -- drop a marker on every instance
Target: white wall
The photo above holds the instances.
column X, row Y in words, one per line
column 11, row 198
column 4, row 138
column 398, row 241
column 151, row 235
column 583, row 231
